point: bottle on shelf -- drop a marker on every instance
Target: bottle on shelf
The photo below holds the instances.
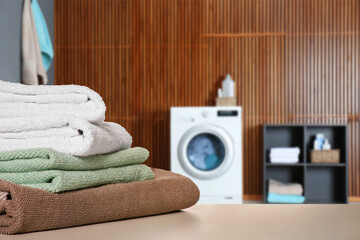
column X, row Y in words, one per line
column 319, row 141
column 228, row 87
column 326, row 145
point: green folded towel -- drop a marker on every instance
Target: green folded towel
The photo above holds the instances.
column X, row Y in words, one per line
column 58, row 172
column 60, row 181
column 41, row 159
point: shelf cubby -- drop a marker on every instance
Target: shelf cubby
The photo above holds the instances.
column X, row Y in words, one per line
column 280, row 136
column 335, row 134
column 325, row 185
column 322, row 182
column 286, row 174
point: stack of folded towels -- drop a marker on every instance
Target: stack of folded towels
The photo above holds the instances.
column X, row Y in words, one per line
column 285, row 192
column 284, row 155
column 62, row 165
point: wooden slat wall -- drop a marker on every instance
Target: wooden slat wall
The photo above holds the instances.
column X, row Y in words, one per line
column 294, row 61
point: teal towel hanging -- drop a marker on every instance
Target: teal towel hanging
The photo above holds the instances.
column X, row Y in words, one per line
column 47, row 52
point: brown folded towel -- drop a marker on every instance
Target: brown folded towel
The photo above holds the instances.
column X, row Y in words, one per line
column 285, row 188
column 32, row 209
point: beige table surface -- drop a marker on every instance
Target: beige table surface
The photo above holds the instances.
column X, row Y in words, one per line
column 255, row 221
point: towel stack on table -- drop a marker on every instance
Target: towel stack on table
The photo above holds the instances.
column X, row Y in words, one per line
column 285, row 192
column 62, row 165
column 284, row 155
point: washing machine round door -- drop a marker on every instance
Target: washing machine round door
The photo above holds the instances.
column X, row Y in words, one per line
column 206, row 151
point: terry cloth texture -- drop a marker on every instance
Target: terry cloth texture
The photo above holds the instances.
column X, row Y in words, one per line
column 33, row 71
column 34, row 210
column 57, row 172
column 30, row 160
column 18, row 100
column 69, row 135
column 60, row 181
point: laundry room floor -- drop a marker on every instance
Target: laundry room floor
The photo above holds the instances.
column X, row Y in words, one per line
column 261, row 202
column 263, row 221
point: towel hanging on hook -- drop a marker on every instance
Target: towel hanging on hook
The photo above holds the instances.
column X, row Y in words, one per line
column 47, row 52
column 33, row 71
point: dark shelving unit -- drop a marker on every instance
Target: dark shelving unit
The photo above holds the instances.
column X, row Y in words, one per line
column 322, row 183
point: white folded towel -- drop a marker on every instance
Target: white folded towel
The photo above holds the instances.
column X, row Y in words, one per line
column 284, row 160
column 18, row 100
column 284, row 155
column 290, row 150
column 69, row 135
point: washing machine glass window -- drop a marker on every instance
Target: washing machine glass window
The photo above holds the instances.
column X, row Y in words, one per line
column 206, row 151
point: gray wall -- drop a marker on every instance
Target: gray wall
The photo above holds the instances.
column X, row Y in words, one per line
column 10, row 37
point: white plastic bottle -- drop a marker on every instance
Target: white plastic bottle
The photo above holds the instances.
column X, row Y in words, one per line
column 319, row 141
column 220, row 94
column 326, row 145
column 228, row 87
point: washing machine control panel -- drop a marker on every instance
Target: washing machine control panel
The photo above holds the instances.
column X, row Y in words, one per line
column 223, row 115
column 227, row 113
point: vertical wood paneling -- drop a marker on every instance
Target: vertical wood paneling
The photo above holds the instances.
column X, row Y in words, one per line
column 294, row 61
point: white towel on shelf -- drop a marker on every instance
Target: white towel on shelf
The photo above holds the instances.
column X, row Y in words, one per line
column 285, row 150
column 284, row 155
column 18, row 100
column 284, row 160
column 69, row 135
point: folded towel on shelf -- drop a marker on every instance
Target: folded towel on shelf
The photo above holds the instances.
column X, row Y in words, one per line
column 60, row 181
column 285, row 155
column 281, row 198
column 30, row 160
column 284, row 160
column 69, row 135
column 285, row 150
column 18, row 100
column 285, row 188
column 32, row 209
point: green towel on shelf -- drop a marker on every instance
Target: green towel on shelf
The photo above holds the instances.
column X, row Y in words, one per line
column 60, row 181
column 41, row 159
column 57, row 172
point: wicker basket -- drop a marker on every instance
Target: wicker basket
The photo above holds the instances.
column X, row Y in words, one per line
column 226, row 101
column 325, row 156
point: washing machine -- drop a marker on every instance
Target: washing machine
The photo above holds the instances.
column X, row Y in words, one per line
column 206, row 147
